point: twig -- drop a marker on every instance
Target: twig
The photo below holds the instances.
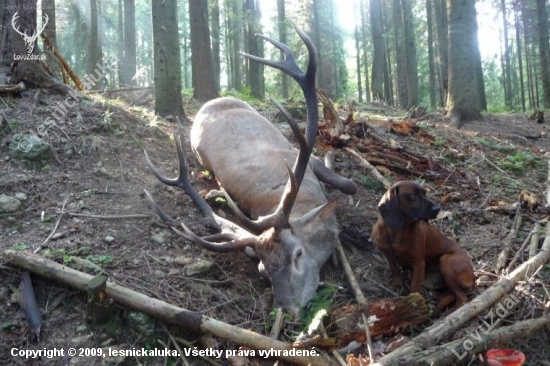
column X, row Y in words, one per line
column 491, row 163
column 369, row 339
column 505, row 253
column 525, row 242
column 534, row 246
column 183, row 359
column 370, row 168
column 361, row 299
column 277, row 324
column 108, row 217
column 62, row 212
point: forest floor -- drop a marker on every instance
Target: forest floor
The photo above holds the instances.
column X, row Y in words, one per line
column 96, row 166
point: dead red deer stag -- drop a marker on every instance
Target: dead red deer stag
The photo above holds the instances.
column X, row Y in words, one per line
column 291, row 226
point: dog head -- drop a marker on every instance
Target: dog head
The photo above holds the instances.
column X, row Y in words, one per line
column 406, row 202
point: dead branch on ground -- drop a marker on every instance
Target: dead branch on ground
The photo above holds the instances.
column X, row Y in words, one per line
column 189, row 320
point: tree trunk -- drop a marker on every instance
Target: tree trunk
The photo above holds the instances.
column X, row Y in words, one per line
column 478, row 67
column 520, row 60
column 365, row 55
column 185, row 45
column 388, row 82
column 462, row 100
column 431, row 65
column 48, row 8
column 507, row 71
column 129, row 62
column 215, row 21
column 378, row 61
column 254, row 69
column 95, row 47
column 236, row 36
column 544, row 50
column 167, row 60
column 410, row 51
column 358, row 63
column 24, row 58
column 201, row 53
column 441, row 26
column 281, row 19
column 120, row 39
column 400, row 56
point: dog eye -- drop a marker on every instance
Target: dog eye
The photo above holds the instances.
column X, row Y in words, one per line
column 413, row 195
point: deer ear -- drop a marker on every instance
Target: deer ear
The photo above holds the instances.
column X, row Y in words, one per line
column 389, row 209
column 321, row 213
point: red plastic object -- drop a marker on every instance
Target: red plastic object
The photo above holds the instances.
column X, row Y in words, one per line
column 504, row 357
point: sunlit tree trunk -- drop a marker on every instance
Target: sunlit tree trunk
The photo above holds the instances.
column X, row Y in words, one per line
column 365, row 54
column 506, row 60
column 462, row 100
column 442, row 55
column 129, row 62
column 254, row 69
column 544, row 50
column 281, row 19
column 431, row 66
column 120, row 40
column 167, row 68
column 478, row 67
column 215, row 21
column 202, row 68
column 378, row 63
column 358, row 62
column 236, row 37
column 410, row 51
column 520, row 60
column 400, row 55
column 48, row 8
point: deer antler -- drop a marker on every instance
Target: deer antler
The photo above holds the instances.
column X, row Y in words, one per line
column 280, row 217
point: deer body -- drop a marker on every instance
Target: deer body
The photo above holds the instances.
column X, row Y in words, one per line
column 248, row 155
column 291, row 227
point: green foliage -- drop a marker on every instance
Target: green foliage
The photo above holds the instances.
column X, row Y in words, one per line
column 244, row 94
column 19, row 247
column 371, row 183
column 439, row 142
column 520, row 162
column 316, row 308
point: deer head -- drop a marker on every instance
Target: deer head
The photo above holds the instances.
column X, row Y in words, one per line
column 292, row 248
column 30, row 41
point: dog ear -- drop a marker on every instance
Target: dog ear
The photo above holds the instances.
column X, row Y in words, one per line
column 389, row 209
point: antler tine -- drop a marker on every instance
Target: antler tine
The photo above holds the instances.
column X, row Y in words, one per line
column 183, row 182
column 230, row 243
column 306, row 81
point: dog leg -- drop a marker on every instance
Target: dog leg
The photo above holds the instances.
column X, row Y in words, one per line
column 396, row 277
column 419, row 271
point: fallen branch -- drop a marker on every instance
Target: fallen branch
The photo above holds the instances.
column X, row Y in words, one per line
column 534, row 246
column 455, row 352
column 505, row 253
column 187, row 319
column 370, row 168
column 443, row 329
column 106, row 217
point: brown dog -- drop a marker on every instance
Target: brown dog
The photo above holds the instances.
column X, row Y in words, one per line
column 405, row 237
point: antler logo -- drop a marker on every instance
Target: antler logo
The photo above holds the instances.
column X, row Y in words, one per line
column 30, row 41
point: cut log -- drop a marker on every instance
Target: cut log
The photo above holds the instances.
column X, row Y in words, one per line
column 385, row 317
column 189, row 320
